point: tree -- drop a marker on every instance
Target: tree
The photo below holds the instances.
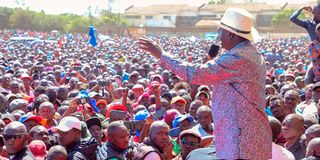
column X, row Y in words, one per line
column 282, row 19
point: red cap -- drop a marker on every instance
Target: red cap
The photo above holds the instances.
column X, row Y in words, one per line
column 101, row 101
column 38, row 149
column 118, row 107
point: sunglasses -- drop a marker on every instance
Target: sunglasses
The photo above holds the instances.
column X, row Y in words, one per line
column 14, row 137
column 193, row 144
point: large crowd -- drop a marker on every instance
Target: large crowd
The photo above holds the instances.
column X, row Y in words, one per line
column 61, row 98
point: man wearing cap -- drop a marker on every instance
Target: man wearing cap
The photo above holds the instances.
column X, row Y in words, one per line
column 179, row 104
column 94, row 126
column 30, row 121
column 189, row 141
column 69, row 131
column 238, row 78
column 312, row 109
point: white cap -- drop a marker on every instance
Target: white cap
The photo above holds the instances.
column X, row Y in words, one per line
column 68, row 123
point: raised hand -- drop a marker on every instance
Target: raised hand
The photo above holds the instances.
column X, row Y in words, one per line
column 150, row 46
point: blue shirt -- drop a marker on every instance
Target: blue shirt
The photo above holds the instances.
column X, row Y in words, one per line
column 309, row 25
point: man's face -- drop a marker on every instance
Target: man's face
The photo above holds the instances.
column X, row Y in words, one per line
column 204, row 99
column 46, row 112
column 160, row 136
column 180, row 106
column 67, row 138
column 316, row 94
column 102, row 109
column 29, row 124
column 41, row 134
column 120, row 137
column 316, row 13
column 193, row 110
column 189, row 143
column 291, row 100
column 289, row 129
column 224, row 38
column 96, row 132
column 14, row 87
column 184, row 125
column 277, row 108
column 14, row 141
column 137, row 92
column 204, row 119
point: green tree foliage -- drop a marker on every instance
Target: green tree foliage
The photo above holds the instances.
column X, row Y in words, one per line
column 39, row 21
column 282, row 19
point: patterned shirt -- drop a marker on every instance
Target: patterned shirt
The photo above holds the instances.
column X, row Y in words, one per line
column 237, row 77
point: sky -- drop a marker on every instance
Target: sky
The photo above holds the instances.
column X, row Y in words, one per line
column 81, row 6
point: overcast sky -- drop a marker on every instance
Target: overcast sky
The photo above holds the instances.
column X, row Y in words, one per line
column 81, row 6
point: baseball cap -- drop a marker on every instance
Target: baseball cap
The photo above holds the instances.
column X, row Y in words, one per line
column 316, row 85
column 137, row 86
column 17, row 104
column 118, row 106
column 8, row 116
column 141, row 115
column 202, row 92
column 93, row 121
column 68, row 123
column 38, row 149
column 25, row 118
column 167, row 95
column 203, row 87
column 189, row 132
column 181, row 118
column 101, row 101
column 178, row 99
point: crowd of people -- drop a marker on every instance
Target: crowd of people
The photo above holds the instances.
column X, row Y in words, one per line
column 67, row 100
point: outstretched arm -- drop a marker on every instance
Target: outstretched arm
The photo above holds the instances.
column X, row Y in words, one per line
column 223, row 68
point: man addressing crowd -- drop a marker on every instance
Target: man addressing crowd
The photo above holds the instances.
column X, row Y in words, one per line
column 238, row 78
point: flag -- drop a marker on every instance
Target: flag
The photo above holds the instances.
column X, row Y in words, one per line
column 92, row 34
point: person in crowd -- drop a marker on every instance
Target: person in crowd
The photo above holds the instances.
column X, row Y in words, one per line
column 95, row 128
column 38, row 149
column 16, row 139
column 47, row 111
column 291, row 100
column 235, row 38
column 313, row 149
column 41, row 133
column 277, row 107
column 205, row 126
column 57, row 153
column 278, row 152
column 189, row 141
column 118, row 142
column 69, row 131
column 179, row 104
column 157, row 145
column 311, row 133
column 30, row 121
column 292, row 130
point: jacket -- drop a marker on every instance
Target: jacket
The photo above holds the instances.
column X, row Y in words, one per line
column 237, row 78
column 24, row 154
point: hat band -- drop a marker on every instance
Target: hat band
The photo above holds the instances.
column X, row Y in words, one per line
column 237, row 30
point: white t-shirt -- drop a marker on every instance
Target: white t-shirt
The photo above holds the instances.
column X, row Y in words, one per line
column 310, row 110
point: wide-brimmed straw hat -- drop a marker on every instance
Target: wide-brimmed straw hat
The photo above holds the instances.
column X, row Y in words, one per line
column 239, row 22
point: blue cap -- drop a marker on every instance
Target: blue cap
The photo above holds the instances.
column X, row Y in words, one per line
column 141, row 115
column 181, row 118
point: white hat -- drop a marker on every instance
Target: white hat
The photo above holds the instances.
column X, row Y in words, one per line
column 239, row 22
column 68, row 123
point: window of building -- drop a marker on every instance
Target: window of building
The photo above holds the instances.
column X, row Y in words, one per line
column 133, row 17
column 149, row 17
column 167, row 17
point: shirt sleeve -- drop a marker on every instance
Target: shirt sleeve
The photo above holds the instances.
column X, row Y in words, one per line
column 309, row 78
column 152, row 156
column 294, row 18
column 223, row 68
